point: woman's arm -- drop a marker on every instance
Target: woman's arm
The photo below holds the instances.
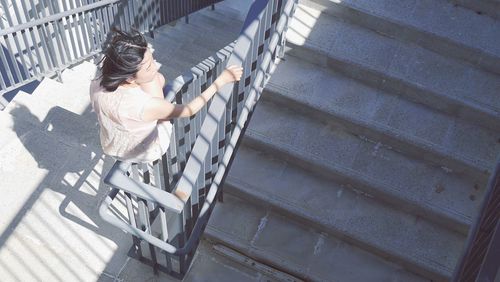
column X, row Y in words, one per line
column 159, row 109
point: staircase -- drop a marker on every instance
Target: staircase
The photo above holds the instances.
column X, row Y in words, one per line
column 365, row 160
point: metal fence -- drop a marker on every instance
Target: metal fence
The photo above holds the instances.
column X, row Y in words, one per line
column 42, row 37
column 481, row 258
column 167, row 203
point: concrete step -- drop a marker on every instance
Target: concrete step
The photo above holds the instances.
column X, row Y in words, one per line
column 206, row 25
column 231, row 10
column 293, row 248
column 339, row 210
column 73, row 93
column 487, row 7
column 401, row 68
column 412, row 185
column 406, row 126
column 194, row 42
column 440, row 26
column 237, row 9
column 73, row 129
column 212, row 262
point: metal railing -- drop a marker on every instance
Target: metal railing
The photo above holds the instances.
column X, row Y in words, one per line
column 41, row 38
column 481, row 257
column 167, row 203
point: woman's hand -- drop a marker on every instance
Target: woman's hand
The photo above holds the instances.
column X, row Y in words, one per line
column 230, row 74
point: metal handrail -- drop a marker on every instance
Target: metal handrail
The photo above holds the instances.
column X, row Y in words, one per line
column 202, row 165
column 48, row 43
column 56, row 17
column 480, row 260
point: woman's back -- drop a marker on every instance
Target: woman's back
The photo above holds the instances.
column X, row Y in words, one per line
column 124, row 134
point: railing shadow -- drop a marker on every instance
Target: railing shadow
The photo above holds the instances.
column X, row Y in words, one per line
column 56, row 233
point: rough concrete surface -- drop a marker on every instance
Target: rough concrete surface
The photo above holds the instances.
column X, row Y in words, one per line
column 365, row 160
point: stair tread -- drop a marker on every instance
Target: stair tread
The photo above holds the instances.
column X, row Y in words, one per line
column 382, row 171
column 350, row 100
column 442, row 18
column 405, row 62
column 70, row 128
column 339, row 208
column 297, row 249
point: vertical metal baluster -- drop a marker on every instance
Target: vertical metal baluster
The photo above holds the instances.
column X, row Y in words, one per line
column 3, row 84
column 77, row 21
column 133, row 220
column 182, row 142
column 172, row 161
column 194, row 120
column 26, row 43
column 149, row 15
column 207, row 170
column 92, row 35
column 281, row 51
column 185, row 11
column 81, row 27
column 203, row 85
column 164, row 12
column 126, row 14
column 116, row 18
column 208, row 77
column 120, row 15
column 207, row 167
column 98, row 35
column 140, row 17
column 47, row 36
column 176, row 9
column 107, row 28
column 157, row 175
column 169, row 11
column 47, row 60
column 109, row 10
column 10, row 50
column 73, row 26
column 130, row 208
column 19, row 71
column 219, row 142
column 59, row 33
column 164, row 233
column 186, row 216
column 188, row 136
column 135, row 13
column 161, row 20
column 260, row 46
column 196, row 126
column 34, row 42
column 214, row 147
column 67, row 28
column 4, row 61
column 157, row 14
column 268, row 33
column 165, row 171
column 241, row 87
column 144, row 213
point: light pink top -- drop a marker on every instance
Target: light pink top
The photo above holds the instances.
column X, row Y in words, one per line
column 123, row 132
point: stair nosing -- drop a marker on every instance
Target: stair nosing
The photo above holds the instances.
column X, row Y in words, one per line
column 478, row 165
column 480, row 52
column 457, row 221
column 244, row 190
column 456, row 104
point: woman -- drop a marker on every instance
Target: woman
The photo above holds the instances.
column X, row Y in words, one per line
column 128, row 99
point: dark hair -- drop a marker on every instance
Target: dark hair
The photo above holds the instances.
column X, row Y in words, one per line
column 122, row 57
